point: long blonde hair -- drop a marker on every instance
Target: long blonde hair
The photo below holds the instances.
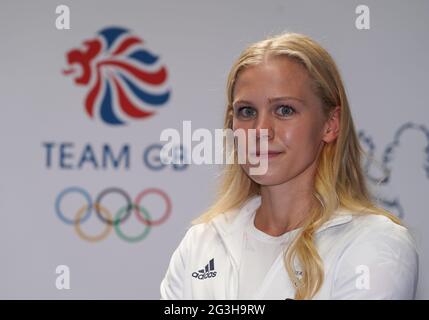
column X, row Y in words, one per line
column 339, row 180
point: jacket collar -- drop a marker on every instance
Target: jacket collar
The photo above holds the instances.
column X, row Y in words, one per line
column 232, row 220
column 230, row 225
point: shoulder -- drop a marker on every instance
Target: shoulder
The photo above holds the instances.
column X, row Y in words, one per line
column 380, row 231
column 370, row 236
column 380, row 251
column 198, row 232
column 210, row 233
column 355, row 230
column 195, row 231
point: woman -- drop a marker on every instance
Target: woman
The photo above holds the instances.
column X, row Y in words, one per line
column 307, row 228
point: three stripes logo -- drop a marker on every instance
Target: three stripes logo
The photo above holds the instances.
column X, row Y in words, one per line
column 207, row 272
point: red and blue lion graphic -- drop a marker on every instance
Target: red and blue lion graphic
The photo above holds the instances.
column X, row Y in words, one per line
column 125, row 80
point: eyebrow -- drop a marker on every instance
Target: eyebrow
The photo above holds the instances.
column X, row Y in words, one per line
column 270, row 100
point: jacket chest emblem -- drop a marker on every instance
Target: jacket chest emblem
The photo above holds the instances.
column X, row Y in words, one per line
column 208, row 271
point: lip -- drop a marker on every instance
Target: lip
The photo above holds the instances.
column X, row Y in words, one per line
column 270, row 154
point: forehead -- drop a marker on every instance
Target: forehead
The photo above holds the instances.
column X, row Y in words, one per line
column 275, row 76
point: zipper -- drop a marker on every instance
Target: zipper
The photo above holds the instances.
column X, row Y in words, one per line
column 234, row 274
column 234, row 281
column 237, row 268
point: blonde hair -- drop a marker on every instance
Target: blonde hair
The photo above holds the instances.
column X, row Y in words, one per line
column 339, row 180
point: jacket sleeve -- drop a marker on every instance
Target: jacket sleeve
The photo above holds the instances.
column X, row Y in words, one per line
column 172, row 285
column 381, row 264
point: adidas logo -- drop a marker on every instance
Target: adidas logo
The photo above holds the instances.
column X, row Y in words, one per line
column 207, row 272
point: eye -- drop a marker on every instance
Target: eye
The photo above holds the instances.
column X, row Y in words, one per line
column 245, row 112
column 285, row 110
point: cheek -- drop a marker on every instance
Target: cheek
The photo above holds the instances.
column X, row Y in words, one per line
column 239, row 124
column 302, row 136
column 241, row 130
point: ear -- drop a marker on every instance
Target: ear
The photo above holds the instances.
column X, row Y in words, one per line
column 332, row 125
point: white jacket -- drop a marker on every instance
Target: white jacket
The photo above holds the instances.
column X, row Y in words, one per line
column 364, row 256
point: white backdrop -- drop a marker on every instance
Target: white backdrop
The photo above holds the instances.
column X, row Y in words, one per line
column 385, row 71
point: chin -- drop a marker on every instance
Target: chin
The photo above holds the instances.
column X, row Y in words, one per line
column 268, row 179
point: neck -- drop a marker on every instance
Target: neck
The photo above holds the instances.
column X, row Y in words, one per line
column 286, row 206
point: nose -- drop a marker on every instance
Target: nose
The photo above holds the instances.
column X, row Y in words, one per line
column 264, row 122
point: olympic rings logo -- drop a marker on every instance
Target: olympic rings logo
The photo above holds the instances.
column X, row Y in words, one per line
column 104, row 215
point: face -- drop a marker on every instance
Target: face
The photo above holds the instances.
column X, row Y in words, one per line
column 276, row 95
